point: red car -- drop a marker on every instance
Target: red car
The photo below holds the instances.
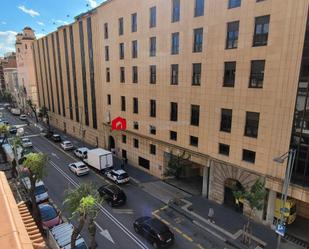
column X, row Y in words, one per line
column 49, row 216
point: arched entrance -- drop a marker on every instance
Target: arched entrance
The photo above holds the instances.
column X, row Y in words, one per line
column 231, row 185
column 111, row 143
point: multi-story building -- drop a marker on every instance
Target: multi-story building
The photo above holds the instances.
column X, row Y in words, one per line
column 25, row 66
column 8, row 61
column 216, row 80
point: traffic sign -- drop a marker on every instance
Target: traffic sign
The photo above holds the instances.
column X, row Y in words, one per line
column 280, row 229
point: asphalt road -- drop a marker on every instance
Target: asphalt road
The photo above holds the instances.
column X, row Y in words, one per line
column 115, row 225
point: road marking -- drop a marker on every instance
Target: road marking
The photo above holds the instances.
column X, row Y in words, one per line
column 123, row 211
column 55, row 155
column 103, row 210
column 105, row 233
column 29, row 136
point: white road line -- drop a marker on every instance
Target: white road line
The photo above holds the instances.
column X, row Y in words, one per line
column 29, row 136
column 103, row 210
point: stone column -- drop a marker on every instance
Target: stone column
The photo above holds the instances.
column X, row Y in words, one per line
column 205, row 181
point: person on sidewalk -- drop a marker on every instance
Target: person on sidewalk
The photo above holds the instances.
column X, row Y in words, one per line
column 211, row 214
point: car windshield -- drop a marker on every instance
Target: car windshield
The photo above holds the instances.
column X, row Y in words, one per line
column 123, row 176
column 68, row 143
column 81, row 246
column 82, row 167
column 39, row 190
column 48, row 213
column 25, row 140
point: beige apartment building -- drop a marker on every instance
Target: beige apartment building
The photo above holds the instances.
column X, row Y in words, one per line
column 25, row 67
column 217, row 80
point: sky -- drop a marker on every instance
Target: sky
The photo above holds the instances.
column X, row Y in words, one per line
column 43, row 16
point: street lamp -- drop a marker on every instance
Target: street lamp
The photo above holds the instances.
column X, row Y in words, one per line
column 290, row 155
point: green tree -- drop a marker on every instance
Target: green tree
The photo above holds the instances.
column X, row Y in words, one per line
column 35, row 163
column 33, row 108
column 176, row 164
column 16, row 143
column 82, row 204
column 255, row 198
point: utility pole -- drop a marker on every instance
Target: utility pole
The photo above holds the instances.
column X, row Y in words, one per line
column 280, row 228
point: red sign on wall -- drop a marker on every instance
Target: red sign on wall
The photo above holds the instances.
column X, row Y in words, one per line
column 119, row 124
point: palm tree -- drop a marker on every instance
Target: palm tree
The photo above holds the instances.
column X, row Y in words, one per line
column 33, row 108
column 35, row 164
column 82, row 203
column 15, row 143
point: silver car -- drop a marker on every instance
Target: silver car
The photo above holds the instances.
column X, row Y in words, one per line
column 79, row 168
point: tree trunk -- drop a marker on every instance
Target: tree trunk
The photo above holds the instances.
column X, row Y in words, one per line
column 35, row 210
column 77, row 231
column 14, row 172
column 92, row 231
column 35, row 115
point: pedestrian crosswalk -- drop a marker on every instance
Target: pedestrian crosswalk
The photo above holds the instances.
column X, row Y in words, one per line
column 123, row 211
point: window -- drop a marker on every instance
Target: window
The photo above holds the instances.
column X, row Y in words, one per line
column 134, row 49
column 108, row 75
column 26, row 46
column 194, row 141
column 152, row 130
column 105, row 31
column 153, row 45
column 232, row 35
column 124, row 153
column 109, row 99
column 199, row 8
column 195, row 115
column 121, row 51
column 122, row 75
column 175, row 10
column 198, row 40
column 259, row 1
column 224, row 149
column 248, row 156
column 173, row 135
column 174, row 111
column 257, row 74
column 124, row 139
column 123, row 103
column 234, row 4
column 196, row 74
column 252, row 124
column 134, row 22
column 174, row 74
column 135, row 143
column 120, row 26
column 18, row 49
column 106, row 53
column 153, row 108
column 153, row 74
column 134, row 74
column 261, row 30
column 153, row 18
column 226, row 120
column 135, row 105
column 229, row 73
column 152, row 149
column 143, row 162
column 175, row 43
column 135, row 125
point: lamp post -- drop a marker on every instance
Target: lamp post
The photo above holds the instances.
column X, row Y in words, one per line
column 290, row 155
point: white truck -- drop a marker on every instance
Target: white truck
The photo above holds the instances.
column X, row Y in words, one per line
column 59, row 237
column 8, row 150
column 99, row 159
column 15, row 111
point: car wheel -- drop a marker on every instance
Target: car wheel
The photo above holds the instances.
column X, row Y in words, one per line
column 155, row 245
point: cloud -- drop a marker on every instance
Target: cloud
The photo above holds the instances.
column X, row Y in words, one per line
column 39, row 35
column 60, row 21
column 40, row 23
column 3, row 22
column 7, row 41
column 30, row 12
column 92, row 3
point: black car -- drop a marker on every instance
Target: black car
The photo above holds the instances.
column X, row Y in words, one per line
column 56, row 138
column 13, row 130
column 47, row 133
column 155, row 231
column 113, row 195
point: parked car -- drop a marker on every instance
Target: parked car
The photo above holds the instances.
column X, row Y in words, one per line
column 66, row 145
column 4, row 121
column 155, row 231
column 79, row 168
column 118, row 176
column 99, row 159
column 13, row 129
column 23, row 117
column 56, row 138
column 47, row 133
column 81, row 152
column 26, row 142
column 40, row 190
column 49, row 216
column 113, row 195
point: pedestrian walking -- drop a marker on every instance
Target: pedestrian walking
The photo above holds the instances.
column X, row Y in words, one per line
column 211, row 214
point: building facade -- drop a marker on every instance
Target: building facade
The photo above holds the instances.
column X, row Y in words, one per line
column 213, row 80
column 8, row 61
column 25, row 66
